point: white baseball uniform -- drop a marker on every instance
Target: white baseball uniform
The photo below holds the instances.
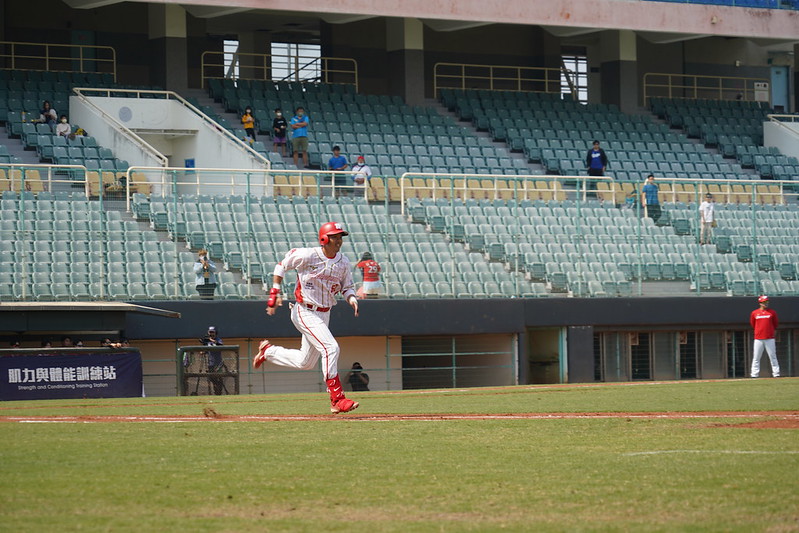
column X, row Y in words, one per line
column 319, row 279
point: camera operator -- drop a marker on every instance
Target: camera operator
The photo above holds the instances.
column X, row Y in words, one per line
column 357, row 378
column 205, row 271
column 215, row 361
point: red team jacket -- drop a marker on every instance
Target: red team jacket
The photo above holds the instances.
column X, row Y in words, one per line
column 370, row 269
column 764, row 321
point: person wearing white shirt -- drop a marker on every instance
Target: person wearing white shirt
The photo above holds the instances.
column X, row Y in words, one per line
column 63, row 129
column 707, row 218
column 361, row 171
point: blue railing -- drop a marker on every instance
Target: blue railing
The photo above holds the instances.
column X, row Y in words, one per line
column 762, row 4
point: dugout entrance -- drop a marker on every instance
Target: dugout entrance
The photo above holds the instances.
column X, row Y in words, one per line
column 545, row 348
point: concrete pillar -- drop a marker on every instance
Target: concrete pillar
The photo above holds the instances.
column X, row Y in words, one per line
column 619, row 69
column 2, row 24
column 252, row 67
column 405, row 47
column 795, row 69
column 168, row 57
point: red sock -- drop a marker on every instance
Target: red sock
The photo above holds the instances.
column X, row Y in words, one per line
column 335, row 390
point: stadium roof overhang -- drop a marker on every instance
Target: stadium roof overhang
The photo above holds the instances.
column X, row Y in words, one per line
column 659, row 21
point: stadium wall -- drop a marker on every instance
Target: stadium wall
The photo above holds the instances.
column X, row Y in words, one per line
column 555, row 338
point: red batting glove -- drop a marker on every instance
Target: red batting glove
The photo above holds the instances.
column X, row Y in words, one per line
column 273, row 294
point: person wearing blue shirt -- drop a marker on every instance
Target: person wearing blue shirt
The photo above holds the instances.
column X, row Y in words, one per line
column 338, row 162
column 649, row 196
column 596, row 160
column 299, row 137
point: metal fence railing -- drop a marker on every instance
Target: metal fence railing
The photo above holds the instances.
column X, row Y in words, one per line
column 263, row 67
column 69, row 233
column 88, row 59
column 500, row 78
column 694, row 86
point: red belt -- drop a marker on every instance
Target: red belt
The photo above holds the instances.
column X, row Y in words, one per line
column 315, row 308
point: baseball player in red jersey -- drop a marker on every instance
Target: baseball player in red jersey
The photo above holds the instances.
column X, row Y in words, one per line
column 371, row 275
column 322, row 272
column 764, row 322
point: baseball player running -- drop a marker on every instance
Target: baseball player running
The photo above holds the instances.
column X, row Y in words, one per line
column 764, row 321
column 322, row 272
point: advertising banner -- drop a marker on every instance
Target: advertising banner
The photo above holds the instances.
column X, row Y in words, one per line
column 82, row 375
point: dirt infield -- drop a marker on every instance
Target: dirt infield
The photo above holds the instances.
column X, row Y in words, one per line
column 767, row 419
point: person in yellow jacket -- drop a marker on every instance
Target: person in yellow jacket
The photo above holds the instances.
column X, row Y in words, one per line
column 249, row 123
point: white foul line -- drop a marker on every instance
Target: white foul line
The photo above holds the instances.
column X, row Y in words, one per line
column 733, row 452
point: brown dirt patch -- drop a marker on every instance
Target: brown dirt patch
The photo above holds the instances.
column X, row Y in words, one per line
column 778, row 423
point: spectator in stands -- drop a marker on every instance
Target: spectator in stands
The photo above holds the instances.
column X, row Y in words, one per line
column 629, row 202
column 66, row 341
column 279, row 127
column 47, row 344
column 108, row 343
column 14, row 344
column 338, row 161
column 205, row 271
column 78, row 343
column 63, row 129
column 357, row 378
column 299, row 136
column 649, row 198
column 707, row 219
column 370, row 271
column 249, row 123
column 596, row 160
column 47, row 114
column 361, row 173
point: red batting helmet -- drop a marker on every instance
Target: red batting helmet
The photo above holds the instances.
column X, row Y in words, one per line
column 330, row 228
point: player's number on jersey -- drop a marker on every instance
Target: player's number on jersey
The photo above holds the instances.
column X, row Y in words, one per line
column 334, row 289
column 372, row 269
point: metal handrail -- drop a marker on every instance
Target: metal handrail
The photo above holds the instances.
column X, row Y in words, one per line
column 121, row 128
column 49, row 57
column 523, row 77
column 779, row 119
column 267, row 65
column 525, row 180
column 170, row 95
column 722, row 87
column 49, row 169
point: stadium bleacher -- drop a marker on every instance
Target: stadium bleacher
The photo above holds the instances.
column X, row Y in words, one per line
column 21, row 95
column 558, row 132
column 735, row 127
column 394, row 137
column 460, row 237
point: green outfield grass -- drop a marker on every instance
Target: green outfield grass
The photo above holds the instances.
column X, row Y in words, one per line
column 350, row 474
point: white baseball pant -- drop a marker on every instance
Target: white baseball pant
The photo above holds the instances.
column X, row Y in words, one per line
column 316, row 341
column 771, row 349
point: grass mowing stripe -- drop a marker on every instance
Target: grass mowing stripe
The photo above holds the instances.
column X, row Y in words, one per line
column 583, row 473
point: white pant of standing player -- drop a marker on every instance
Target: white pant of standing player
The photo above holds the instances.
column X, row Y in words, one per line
column 316, row 341
column 771, row 349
